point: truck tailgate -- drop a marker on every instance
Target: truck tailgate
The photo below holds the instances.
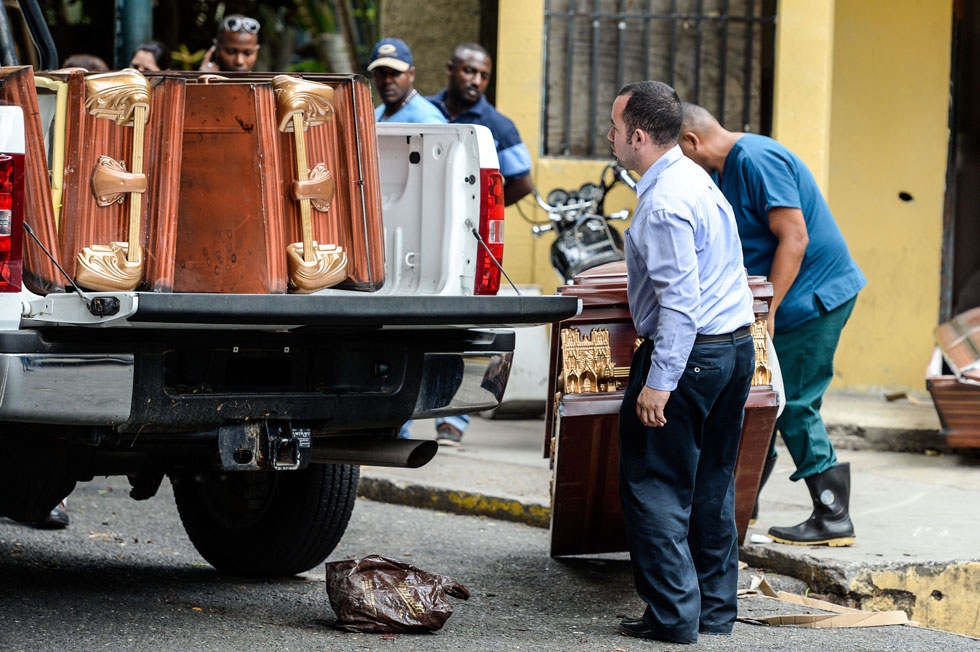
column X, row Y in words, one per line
column 284, row 311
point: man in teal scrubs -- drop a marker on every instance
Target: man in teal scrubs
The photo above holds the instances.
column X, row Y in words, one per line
column 789, row 235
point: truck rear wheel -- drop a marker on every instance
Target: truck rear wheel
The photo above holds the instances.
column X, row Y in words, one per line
column 266, row 523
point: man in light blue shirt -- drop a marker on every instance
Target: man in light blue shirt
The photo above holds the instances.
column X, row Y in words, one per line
column 681, row 417
column 393, row 73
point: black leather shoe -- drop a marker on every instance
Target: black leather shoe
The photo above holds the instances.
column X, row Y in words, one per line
column 56, row 520
column 638, row 628
column 830, row 523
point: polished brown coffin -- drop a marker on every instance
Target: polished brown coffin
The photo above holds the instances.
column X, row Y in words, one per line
column 85, row 222
column 41, row 275
column 233, row 144
column 219, row 207
column 957, row 395
column 582, row 426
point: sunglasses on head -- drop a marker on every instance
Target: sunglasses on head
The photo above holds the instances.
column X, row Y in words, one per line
column 236, row 24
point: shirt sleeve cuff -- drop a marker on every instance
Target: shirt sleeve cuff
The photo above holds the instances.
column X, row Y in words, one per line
column 665, row 381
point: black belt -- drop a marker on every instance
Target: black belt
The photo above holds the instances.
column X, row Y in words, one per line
column 744, row 331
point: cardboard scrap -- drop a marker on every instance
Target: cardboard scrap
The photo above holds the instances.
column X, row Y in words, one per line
column 840, row 616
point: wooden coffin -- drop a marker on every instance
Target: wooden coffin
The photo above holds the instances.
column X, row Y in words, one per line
column 582, row 421
column 957, row 394
column 239, row 204
column 41, row 275
column 103, row 191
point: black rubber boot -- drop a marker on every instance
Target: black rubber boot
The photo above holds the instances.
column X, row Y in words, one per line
column 766, row 472
column 830, row 522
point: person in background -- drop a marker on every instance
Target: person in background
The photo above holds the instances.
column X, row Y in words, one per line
column 789, row 234
column 152, row 56
column 681, row 416
column 393, row 73
column 236, row 46
column 89, row 62
column 463, row 102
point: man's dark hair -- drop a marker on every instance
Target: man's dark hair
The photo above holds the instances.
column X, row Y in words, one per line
column 160, row 52
column 472, row 47
column 90, row 62
column 655, row 108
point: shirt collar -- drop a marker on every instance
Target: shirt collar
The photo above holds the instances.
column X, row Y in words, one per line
column 649, row 178
column 478, row 109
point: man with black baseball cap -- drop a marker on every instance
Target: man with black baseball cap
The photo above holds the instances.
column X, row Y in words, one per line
column 394, row 76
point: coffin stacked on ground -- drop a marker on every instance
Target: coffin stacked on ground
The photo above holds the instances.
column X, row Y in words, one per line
column 590, row 359
column 957, row 394
column 193, row 184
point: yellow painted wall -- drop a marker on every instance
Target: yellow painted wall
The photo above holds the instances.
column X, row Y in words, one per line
column 520, row 70
column 802, row 85
column 889, row 134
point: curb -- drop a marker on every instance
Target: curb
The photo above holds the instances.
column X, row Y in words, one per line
column 848, row 436
column 936, row 594
column 454, row 501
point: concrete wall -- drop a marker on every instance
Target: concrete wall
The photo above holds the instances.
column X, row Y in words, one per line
column 889, row 134
column 432, row 29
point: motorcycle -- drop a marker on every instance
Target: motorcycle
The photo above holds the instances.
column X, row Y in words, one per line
column 585, row 238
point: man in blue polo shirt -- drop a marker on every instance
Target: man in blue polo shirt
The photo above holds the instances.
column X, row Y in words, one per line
column 462, row 101
column 393, row 73
column 789, row 235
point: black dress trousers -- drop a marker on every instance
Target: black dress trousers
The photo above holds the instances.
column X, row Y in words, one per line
column 677, row 489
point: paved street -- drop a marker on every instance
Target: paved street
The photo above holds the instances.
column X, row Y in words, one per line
column 124, row 577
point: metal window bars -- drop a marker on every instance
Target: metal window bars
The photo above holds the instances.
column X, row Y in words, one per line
column 717, row 53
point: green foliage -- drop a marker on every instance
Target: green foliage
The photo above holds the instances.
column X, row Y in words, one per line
column 184, row 59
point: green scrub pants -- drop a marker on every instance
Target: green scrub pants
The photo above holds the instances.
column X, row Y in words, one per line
column 806, row 359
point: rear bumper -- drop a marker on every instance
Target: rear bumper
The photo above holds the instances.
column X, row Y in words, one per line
column 195, row 381
column 349, row 311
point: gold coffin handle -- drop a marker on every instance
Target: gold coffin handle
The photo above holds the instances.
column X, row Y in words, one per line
column 328, row 267
column 111, row 182
column 312, row 100
column 116, row 95
column 318, row 188
column 123, row 97
column 301, row 104
column 108, row 268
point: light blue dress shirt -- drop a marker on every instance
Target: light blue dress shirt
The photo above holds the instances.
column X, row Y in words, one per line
column 684, row 265
column 418, row 110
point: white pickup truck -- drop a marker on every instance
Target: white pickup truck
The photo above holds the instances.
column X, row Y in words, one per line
column 259, row 407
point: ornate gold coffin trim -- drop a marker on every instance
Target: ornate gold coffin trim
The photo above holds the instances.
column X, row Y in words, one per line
column 318, row 188
column 115, row 95
column 108, row 267
column 328, row 267
column 311, row 100
column 763, row 370
column 587, row 365
column 111, row 181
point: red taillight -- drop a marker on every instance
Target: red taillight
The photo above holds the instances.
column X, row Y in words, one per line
column 491, row 230
column 11, row 221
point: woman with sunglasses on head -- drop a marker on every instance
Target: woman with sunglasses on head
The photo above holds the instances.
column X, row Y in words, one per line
column 236, row 46
column 151, row 56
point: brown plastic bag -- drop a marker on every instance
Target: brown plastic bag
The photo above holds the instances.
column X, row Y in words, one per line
column 377, row 594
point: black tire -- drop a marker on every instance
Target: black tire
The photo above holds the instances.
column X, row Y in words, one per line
column 265, row 523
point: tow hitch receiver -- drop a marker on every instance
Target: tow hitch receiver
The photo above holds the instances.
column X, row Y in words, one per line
column 263, row 445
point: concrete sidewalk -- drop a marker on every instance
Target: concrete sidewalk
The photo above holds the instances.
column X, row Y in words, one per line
column 916, row 515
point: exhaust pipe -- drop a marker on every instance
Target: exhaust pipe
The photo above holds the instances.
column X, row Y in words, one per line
column 406, row 453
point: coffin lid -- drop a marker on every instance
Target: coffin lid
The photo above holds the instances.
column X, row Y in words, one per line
column 607, row 284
